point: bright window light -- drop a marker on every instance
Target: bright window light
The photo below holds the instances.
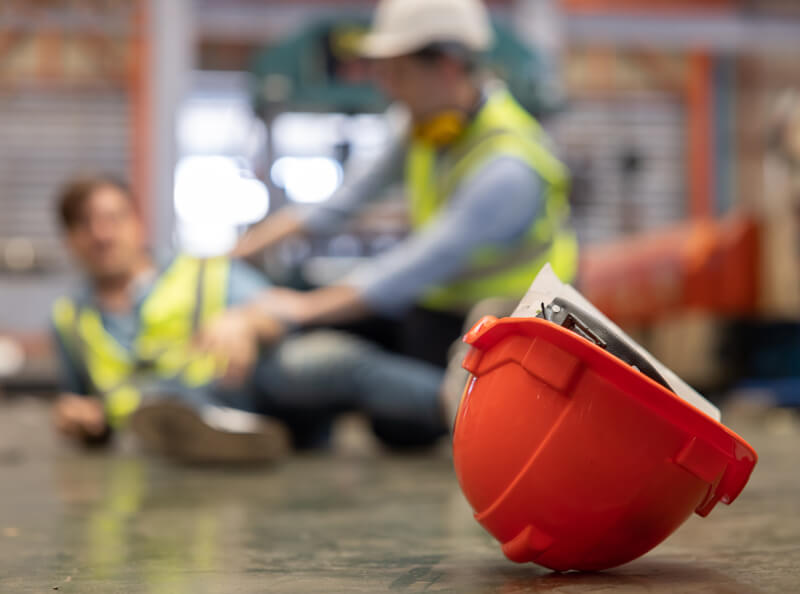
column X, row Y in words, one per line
column 307, row 179
column 205, row 240
column 217, row 189
column 368, row 132
column 214, row 195
column 297, row 133
column 214, row 127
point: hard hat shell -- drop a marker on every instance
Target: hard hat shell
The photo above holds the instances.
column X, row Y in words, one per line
column 404, row 26
column 573, row 459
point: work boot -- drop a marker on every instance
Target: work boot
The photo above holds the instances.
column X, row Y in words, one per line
column 209, row 434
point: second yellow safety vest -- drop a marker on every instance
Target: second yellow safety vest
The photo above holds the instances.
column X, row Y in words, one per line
column 501, row 127
column 189, row 292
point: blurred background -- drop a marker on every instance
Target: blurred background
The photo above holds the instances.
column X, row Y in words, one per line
column 680, row 121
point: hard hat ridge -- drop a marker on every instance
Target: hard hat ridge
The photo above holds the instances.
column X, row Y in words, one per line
column 402, row 27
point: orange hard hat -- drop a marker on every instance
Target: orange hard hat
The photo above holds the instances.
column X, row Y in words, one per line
column 574, row 459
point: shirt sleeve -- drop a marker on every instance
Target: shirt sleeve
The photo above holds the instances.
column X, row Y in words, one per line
column 245, row 283
column 495, row 206
column 72, row 376
column 358, row 188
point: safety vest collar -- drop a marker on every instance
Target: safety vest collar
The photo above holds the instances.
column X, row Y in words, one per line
column 501, row 128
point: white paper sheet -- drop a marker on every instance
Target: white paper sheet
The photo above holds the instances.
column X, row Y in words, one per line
column 547, row 286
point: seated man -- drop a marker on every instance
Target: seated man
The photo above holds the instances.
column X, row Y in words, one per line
column 133, row 349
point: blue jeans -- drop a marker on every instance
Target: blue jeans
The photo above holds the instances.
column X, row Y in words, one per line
column 307, row 379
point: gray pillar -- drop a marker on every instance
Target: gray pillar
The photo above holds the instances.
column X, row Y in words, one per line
column 540, row 23
column 172, row 49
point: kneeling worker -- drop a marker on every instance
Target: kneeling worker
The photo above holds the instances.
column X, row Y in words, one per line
column 487, row 198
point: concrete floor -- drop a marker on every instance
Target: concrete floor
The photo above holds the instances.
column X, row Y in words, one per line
column 352, row 521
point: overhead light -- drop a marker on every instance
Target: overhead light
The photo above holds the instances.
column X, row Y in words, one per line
column 213, row 196
column 218, row 190
column 307, row 179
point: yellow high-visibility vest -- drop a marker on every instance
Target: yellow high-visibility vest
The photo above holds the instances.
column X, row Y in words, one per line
column 189, row 292
column 501, row 127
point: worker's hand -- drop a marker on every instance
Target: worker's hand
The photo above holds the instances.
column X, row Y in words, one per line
column 329, row 305
column 295, row 307
column 79, row 417
column 230, row 337
column 268, row 233
column 234, row 337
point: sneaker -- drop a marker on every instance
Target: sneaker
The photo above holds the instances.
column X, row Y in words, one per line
column 209, row 434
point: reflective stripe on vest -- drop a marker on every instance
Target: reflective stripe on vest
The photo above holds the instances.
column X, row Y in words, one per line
column 188, row 293
column 501, row 128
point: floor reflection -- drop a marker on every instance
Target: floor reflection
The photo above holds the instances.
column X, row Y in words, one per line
column 86, row 522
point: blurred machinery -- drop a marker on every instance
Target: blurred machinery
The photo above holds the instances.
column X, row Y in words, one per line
column 699, row 296
column 317, row 69
column 682, row 292
column 701, row 265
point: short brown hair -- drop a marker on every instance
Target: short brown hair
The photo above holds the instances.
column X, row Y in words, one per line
column 73, row 195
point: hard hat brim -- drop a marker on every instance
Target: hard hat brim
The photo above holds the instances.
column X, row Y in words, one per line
column 377, row 46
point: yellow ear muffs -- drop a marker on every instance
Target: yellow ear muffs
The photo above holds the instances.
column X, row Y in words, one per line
column 441, row 129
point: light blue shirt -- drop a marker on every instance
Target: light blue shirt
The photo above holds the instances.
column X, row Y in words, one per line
column 494, row 206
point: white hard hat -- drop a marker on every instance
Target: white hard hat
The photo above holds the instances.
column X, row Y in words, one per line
column 402, row 27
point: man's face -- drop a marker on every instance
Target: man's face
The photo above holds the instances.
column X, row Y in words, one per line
column 107, row 239
column 420, row 85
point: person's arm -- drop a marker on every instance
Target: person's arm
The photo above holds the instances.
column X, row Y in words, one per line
column 356, row 190
column 329, row 305
column 245, row 283
column 236, row 333
column 495, row 206
column 76, row 413
column 245, row 286
column 72, row 375
column 269, row 232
